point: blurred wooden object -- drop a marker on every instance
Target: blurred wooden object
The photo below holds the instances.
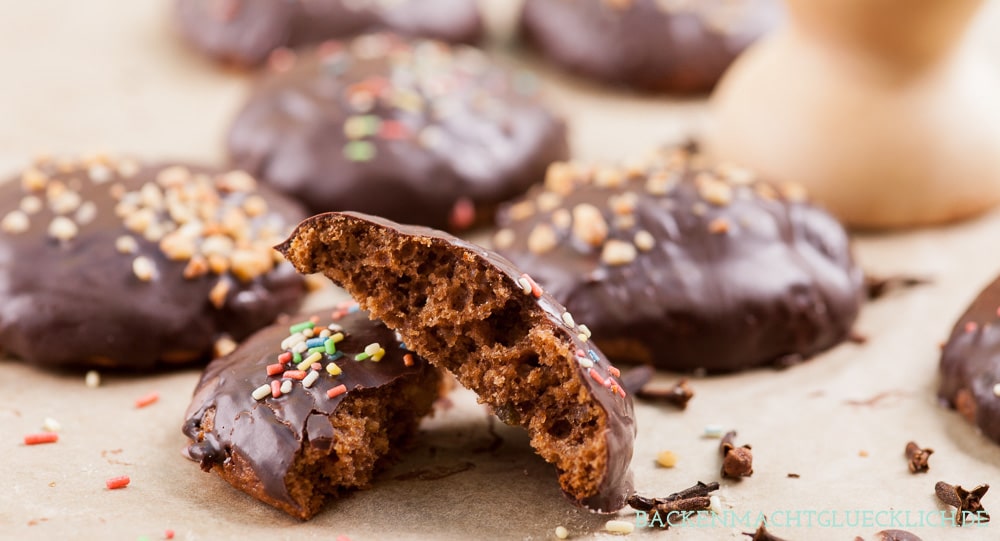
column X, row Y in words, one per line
column 881, row 108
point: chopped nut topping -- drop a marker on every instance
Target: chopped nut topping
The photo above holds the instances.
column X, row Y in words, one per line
column 64, row 201
column 173, row 176
column 793, row 191
column 718, row 225
column 197, row 266
column 31, row 204
column 86, row 213
column 624, row 203
column 178, row 246
column 522, row 210
column 765, row 191
column 736, row 175
column 660, row 183
column 589, row 225
column 562, row 219
column 248, row 264
column 713, row 190
column 542, row 239
column 143, row 268
column 33, row 180
column 617, row 252
column 236, row 181
column 548, row 201
column 63, row 228
column 99, row 174
column 217, row 296
column 254, row 206
column 559, row 177
column 644, row 240
column 503, row 238
column 15, row 222
column 609, row 177
column 126, row 245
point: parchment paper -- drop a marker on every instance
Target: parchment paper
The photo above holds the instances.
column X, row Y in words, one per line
column 106, row 74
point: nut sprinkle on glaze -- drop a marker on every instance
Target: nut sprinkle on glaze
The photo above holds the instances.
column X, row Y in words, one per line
column 132, row 255
column 417, row 131
column 663, row 257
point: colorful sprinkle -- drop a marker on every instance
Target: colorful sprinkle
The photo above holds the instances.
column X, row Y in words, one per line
column 299, row 327
column 294, row 374
column 596, row 377
column 147, row 399
column 307, row 362
column 51, row 425
column 377, row 356
column 330, row 347
column 337, row 337
column 619, row 526
column 275, row 369
column 568, row 320
column 713, row 431
column 45, row 437
column 361, row 356
column 310, row 378
column 359, row 151
column 408, row 359
column 614, row 372
column 261, row 392
column 93, row 379
column 315, row 342
column 593, row 355
column 336, row 391
column 530, row 286
column 285, row 357
column 275, row 389
column 117, row 482
column 333, row 369
column 585, row 362
column 286, row 386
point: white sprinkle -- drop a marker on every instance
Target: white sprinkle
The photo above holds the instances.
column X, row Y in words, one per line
column 86, row 213
column 568, row 320
column 334, row 327
column 372, row 349
column 15, row 222
column 62, row 228
column 301, row 347
column 144, row 268
column 619, row 526
column 31, row 204
column 525, row 285
column 585, row 362
column 713, row 431
column 126, row 244
column 308, row 333
column 92, row 379
column 585, row 330
column 561, row 532
column 292, row 340
column 996, row 390
column 582, row 337
column 286, row 386
column 51, row 425
column 715, row 504
column 261, row 392
column 310, row 378
column 325, row 333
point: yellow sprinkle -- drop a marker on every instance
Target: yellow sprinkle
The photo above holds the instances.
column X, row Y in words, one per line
column 372, row 349
column 307, row 362
column 333, row 369
column 666, row 459
column 261, row 392
column 378, row 355
column 337, row 337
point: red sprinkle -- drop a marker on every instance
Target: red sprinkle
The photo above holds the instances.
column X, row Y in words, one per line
column 44, row 437
column 168, row 534
column 117, row 482
column 328, row 48
column 337, row 314
column 316, row 366
column 536, row 290
column 614, row 372
column 463, row 214
column 273, row 369
column 393, row 130
column 294, row 374
column 408, row 359
column 337, row 391
column 580, row 353
column 285, row 357
column 275, row 388
column 146, row 400
column 970, row 326
column 597, row 377
column 314, row 319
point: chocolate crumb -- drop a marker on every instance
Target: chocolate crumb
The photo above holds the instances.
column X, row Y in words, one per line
column 793, row 476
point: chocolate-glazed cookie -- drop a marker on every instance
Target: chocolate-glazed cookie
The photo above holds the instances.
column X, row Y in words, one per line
column 135, row 265
column 470, row 311
column 244, row 32
column 303, row 411
column 970, row 363
column 686, row 267
column 416, row 131
column 654, row 45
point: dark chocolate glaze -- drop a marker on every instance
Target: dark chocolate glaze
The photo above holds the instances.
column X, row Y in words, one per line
column 778, row 285
column 269, row 434
column 78, row 303
column 466, row 132
column 654, row 45
column 620, row 429
column 244, row 32
column 970, row 363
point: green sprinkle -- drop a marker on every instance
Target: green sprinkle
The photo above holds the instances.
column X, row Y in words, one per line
column 299, row 327
column 359, row 151
column 361, row 356
column 330, row 346
column 358, row 126
column 317, row 349
column 296, row 357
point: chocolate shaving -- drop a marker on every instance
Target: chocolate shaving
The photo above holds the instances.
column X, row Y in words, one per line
column 878, row 287
column 678, row 395
column 736, row 461
column 967, row 503
column 917, row 457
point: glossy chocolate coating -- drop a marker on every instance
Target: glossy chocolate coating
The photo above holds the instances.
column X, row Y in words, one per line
column 244, row 32
column 620, row 429
column 413, row 131
column 655, row 45
column 970, row 363
column 79, row 302
column 731, row 274
column 269, row 434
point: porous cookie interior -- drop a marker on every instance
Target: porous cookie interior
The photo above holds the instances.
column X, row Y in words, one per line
column 370, row 427
column 461, row 313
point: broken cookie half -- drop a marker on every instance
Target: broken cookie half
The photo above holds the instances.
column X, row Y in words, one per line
column 472, row 312
column 308, row 409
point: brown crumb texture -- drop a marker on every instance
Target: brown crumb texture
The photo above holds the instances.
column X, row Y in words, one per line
column 371, row 427
column 465, row 315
